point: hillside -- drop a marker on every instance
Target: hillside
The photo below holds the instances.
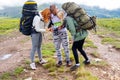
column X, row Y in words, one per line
column 102, row 48
column 100, row 13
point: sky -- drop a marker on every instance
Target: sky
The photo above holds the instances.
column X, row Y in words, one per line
column 106, row 4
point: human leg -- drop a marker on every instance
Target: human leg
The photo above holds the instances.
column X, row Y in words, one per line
column 42, row 61
column 57, row 43
column 74, row 50
column 34, row 38
column 80, row 48
column 39, row 46
column 65, row 44
column 75, row 53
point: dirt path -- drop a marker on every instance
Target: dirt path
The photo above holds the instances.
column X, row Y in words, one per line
column 12, row 52
column 18, row 49
column 110, row 55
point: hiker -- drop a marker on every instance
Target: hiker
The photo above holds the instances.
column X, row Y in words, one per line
column 60, row 35
column 36, row 31
column 77, row 22
column 78, row 41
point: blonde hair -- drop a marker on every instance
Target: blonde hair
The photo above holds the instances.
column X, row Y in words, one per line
column 60, row 15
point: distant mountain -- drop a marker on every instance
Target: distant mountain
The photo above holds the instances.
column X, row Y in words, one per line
column 11, row 12
column 15, row 12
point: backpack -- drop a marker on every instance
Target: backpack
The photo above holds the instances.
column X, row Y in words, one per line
column 26, row 25
column 28, row 12
column 84, row 21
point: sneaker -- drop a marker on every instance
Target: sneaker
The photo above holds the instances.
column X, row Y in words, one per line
column 68, row 64
column 32, row 65
column 74, row 67
column 86, row 62
column 42, row 61
column 59, row 63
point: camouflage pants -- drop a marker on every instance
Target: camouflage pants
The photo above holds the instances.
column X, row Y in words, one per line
column 61, row 39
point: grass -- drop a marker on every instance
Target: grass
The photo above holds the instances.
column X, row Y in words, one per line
column 18, row 71
column 113, row 41
column 48, row 51
column 8, row 25
column 5, row 76
column 98, row 63
column 50, row 64
column 110, row 31
column 108, row 40
column 111, row 24
column 52, row 74
column 9, row 75
column 116, row 45
column 89, row 43
column 95, row 54
column 83, row 74
column 107, row 26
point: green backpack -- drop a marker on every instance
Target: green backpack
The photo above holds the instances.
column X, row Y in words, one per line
column 84, row 21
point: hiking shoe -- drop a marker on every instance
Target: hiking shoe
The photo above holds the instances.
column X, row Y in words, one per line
column 74, row 67
column 42, row 61
column 32, row 65
column 68, row 64
column 59, row 63
column 86, row 62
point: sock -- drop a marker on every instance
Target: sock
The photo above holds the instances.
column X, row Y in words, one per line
column 78, row 64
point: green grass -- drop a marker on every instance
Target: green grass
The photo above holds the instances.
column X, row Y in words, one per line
column 113, row 41
column 52, row 74
column 110, row 31
column 95, row 54
column 18, row 71
column 10, row 75
column 116, row 45
column 80, row 73
column 99, row 63
column 27, row 61
column 51, row 63
column 5, row 76
column 110, row 24
column 8, row 25
column 108, row 40
column 48, row 50
column 89, row 43
column 83, row 74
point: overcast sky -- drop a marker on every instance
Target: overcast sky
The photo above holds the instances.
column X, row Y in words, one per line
column 107, row 4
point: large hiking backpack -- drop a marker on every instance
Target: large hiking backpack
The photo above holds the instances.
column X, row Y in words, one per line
column 28, row 12
column 79, row 14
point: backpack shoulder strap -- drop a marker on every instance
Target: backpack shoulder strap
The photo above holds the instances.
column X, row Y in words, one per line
column 20, row 24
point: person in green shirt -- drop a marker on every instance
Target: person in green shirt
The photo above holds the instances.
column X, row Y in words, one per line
column 78, row 41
